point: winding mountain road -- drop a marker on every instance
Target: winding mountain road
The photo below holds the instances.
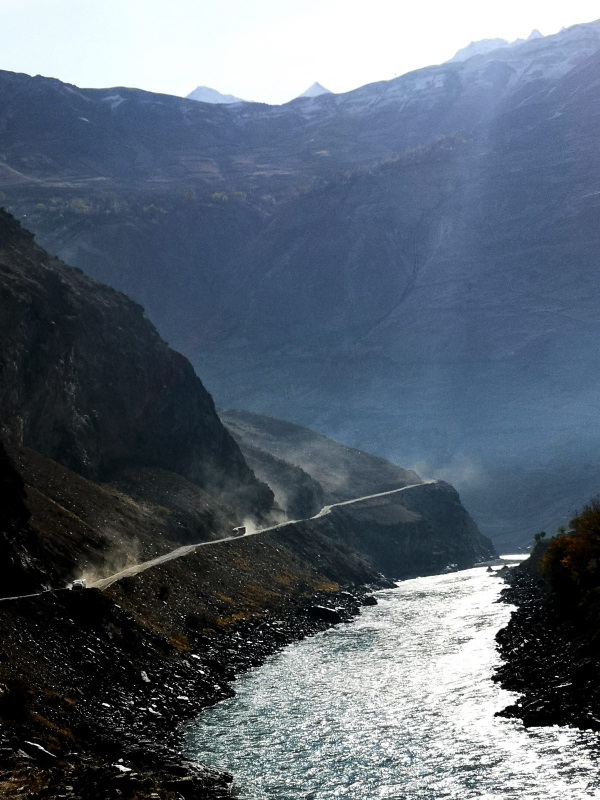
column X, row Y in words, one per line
column 183, row 551
column 135, row 569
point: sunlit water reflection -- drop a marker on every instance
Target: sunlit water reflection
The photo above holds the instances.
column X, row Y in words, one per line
column 399, row 704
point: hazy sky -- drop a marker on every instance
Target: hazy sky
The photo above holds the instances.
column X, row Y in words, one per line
column 264, row 50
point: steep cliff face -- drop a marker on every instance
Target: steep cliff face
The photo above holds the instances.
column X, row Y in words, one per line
column 443, row 516
column 88, row 382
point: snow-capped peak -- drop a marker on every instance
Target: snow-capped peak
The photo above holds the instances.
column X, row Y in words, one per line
column 488, row 45
column 314, row 91
column 206, row 95
column 478, row 49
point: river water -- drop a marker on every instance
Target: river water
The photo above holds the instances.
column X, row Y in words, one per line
column 398, row 704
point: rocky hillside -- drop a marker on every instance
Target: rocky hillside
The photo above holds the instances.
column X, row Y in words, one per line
column 295, row 460
column 93, row 685
column 88, row 382
column 21, row 571
column 409, row 267
column 550, row 646
column 420, row 530
column 93, row 394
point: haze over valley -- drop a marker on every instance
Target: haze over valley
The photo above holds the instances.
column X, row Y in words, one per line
column 408, row 267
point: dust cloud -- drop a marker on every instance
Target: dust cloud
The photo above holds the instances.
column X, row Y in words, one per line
column 121, row 556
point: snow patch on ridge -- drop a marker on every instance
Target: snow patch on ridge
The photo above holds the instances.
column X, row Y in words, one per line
column 115, row 100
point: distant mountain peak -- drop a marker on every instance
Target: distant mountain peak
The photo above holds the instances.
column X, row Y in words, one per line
column 478, row 49
column 316, row 90
column 488, row 45
column 204, row 94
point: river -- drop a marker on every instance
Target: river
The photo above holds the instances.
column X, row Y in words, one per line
column 397, row 704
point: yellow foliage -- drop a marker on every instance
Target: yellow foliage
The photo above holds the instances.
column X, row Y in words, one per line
column 180, row 643
column 66, row 733
column 327, row 586
column 572, row 561
column 285, row 579
column 222, row 622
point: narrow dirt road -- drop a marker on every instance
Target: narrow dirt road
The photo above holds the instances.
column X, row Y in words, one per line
column 135, row 569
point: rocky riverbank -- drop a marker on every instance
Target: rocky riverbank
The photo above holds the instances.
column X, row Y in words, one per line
column 94, row 685
column 96, row 709
column 550, row 656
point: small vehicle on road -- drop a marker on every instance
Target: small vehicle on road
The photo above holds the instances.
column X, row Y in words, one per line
column 78, row 585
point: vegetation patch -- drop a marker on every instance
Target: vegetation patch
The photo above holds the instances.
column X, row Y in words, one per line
column 571, row 564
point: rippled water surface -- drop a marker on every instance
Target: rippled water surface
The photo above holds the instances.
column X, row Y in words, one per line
column 399, row 704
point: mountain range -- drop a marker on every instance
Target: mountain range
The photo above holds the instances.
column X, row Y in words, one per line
column 409, row 268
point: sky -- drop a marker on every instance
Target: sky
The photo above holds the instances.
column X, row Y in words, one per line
column 262, row 50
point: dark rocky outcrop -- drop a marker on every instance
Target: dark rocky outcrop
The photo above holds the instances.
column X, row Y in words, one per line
column 417, row 532
column 14, row 514
column 442, row 512
column 88, row 382
column 20, row 570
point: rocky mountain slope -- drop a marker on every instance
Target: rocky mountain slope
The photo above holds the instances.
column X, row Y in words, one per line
column 425, row 525
column 332, row 470
column 93, row 685
column 408, row 267
column 88, row 382
column 204, row 94
column 91, row 390
column 21, row 571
